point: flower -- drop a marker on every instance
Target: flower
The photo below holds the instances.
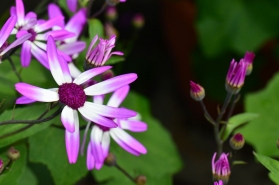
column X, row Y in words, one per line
column 248, row 58
column 196, row 91
column 138, row 21
column 5, row 33
column 72, row 5
column 220, row 183
column 221, row 168
column 28, row 24
column 73, row 96
column 98, row 55
column 98, row 146
column 236, row 76
column 237, row 141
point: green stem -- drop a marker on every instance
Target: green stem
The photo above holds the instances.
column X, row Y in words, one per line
column 14, row 69
column 124, row 172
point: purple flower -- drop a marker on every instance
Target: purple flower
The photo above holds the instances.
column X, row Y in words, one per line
column 5, row 33
column 196, row 91
column 98, row 55
column 221, row 168
column 220, row 183
column 73, row 96
column 72, row 5
column 236, row 76
column 248, row 58
column 28, row 24
column 98, row 146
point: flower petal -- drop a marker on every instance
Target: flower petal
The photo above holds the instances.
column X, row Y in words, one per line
column 54, row 11
column 127, row 142
column 25, row 54
column 118, row 96
column 72, row 48
column 110, row 112
column 65, row 69
column 40, row 55
column 7, row 29
column 48, row 24
column 72, row 5
column 91, row 45
column 68, row 118
column 36, row 93
column 74, row 71
column 99, row 99
column 13, row 11
column 88, row 114
column 24, row 100
column 95, row 140
column 110, row 85
column 132, row 125
column 90, row 161
column 105, row 144
column 72, row 143
column 20, row 12
column 60, row 34
column 54, row 63
column 83, row 77
column 16, row 43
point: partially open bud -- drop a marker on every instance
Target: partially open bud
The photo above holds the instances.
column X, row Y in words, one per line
column 138, row 21
column 196, row 91
column 221, row 168
column 140, row 180
column 248, row 58
column 13, row 154
column 110, row 160
column 237, row 141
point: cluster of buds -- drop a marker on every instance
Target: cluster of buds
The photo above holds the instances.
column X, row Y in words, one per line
column 221, row 168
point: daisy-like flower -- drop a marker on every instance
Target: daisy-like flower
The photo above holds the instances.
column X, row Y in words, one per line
column 221, row 168
column 98, row 146
column 5, row 33
column 236, row 76
column 220, row 183
column 28, row 24
column 248, row 58
column 73, row 96
column 98, row 55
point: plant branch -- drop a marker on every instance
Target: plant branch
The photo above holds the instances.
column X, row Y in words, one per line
column 14, row 69
column 124, row 172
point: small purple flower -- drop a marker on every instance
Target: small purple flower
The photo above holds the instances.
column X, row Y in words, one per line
column 73, row 96
column 221, row 168
column 236, row 76
column 249, row 58
column 98, row 55
column 98, row 146
column 220, row 183
column 5, row 33
column 196, row 91
column 72, row 5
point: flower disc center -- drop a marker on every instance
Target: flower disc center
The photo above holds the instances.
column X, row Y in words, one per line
column 33, row 33
column 72, row 95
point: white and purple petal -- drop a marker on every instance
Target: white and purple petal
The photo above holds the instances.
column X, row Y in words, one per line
column 16, row 43
column 36, row 93
column 54, row 11
column 72, row 48
column 7, row 29
column 132, row 125
column 68, row 117
column 118, row 96
column 20, row 12
column 90, row 161
column 24, row 100
column 48, row 24
column 96, row 144
column 40, row 55
column 25, row 54
column 74, row 71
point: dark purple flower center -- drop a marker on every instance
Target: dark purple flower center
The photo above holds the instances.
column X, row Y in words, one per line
column 103, row 128
column 238, row 137
column 72, row 95
column 33, row 33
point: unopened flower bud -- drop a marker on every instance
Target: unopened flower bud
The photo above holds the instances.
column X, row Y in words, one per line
column 221, row 168
column 110, row 160
column 237, row 141
column 13, row 154
column 107, row 75
column 111, row 13
column 196, row 91
column 236, row 76
column 141, row 180
column 248, row 58
column 138, row 21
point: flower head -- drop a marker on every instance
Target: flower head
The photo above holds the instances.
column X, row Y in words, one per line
column 196, row 91
column 221, row 168
column 236, row 76
column 248, row 58
column 98, row 55
column 98, row 146
column 73, row 96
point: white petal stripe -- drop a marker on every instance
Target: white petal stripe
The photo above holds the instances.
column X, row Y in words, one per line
column 67, row 118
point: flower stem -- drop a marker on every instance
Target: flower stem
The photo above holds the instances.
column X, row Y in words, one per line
column 84, row 138
column 206, row 114
column 100, row 11
column 124, row 172
column 14, row 69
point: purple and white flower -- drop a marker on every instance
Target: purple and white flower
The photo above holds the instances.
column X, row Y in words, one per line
column 221, row 168
column 73, row 96
column 98, row 146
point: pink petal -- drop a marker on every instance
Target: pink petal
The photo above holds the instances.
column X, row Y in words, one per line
column 96, row 145
column 72, row 5
column 20, row 12
column 54, row 11
column 54, row 63
column 72, row 143
column 88, row 114
column 13, row 11
column 48, row 24
column 110, row 112
column 83, row 77
column 90, row 161
column 65, row 69
column 40, row 55
column 26, row 53
column 36, row 93
column 16, row 43
column 132, row 125
column 74, row 71
column 24, row 100
column 60, row 34
column 105, row 144
column 68, row 117
column 118, row 96
column 99, row 99
column 7, row 29
column 91, row 45
column 72, row 48
column 111, row 84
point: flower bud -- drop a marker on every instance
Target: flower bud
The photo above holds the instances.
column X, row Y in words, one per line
column 107, row 75
column 140, row 180
column 111, row 13
column 110, row 160
column 248, row 58
column 196, row 91
column 138, row 21
column 13, row 154
column 237, row 141
column 221, row 168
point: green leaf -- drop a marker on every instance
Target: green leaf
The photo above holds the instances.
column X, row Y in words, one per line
column 239, row 162
column 95, row 28
column 48, row 147
column 263, row 132
column 274, row 177
column 17, row 168
column 30, row 112
column 271, row 164
column 237, row 120
column 114, row 60
column 160, row 162
column 28, row 177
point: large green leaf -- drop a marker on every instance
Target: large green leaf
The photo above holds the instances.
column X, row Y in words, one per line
column 29, row 112
column 160, row 162
column 95, row 28
column 274, row 177
column 28, row 177
column 237, row 120
column 48, row 147
column 263, row 132
column 14, row 173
